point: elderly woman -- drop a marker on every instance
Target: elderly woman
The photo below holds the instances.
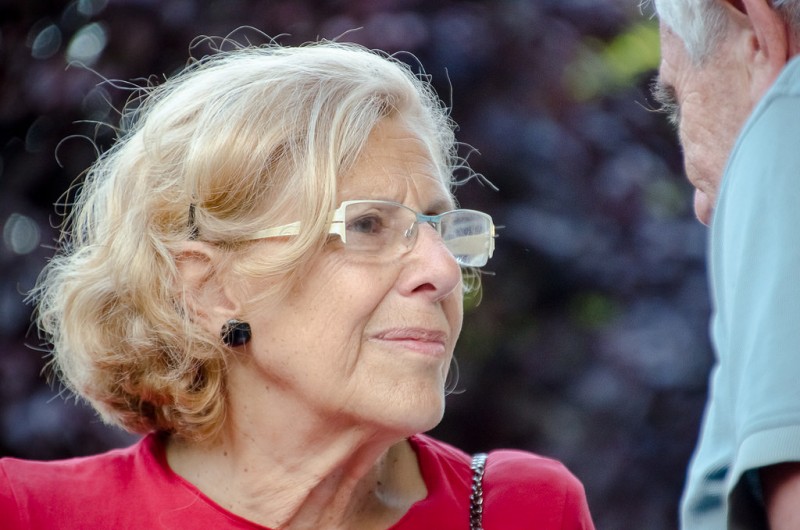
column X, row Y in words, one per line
column 264, row 277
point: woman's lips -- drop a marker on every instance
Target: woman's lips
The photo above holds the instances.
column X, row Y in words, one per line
column 426, row 341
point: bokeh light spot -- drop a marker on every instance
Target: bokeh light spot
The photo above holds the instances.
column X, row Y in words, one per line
column 87, row 44
column 91, row 7
column 38, row 133
column 21, row 234
column 46, row 43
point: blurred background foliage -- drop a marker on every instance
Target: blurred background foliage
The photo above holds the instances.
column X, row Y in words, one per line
column 590, row 341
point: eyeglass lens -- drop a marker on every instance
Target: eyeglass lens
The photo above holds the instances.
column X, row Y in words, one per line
column 380, row 227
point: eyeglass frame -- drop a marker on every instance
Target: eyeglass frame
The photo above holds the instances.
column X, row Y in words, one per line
column 338, row 224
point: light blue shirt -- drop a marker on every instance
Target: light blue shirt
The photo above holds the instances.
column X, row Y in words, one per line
column 752, row 418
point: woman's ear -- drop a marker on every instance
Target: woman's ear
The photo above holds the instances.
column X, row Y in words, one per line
column 768, row 47
column 205, row 296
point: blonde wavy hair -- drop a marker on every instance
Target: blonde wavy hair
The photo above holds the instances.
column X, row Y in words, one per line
column 216, row 152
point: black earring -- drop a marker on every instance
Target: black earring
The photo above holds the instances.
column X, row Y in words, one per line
column 236, row 333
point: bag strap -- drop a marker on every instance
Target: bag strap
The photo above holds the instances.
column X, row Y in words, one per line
column 478, row 467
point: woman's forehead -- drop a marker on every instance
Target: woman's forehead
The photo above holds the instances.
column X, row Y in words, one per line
column 395, row 163
column 424, row 189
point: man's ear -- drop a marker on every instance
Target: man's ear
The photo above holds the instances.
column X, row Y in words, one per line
column 768, row 47
column 206, row 298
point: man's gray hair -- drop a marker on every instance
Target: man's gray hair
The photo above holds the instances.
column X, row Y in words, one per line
column 701, row 23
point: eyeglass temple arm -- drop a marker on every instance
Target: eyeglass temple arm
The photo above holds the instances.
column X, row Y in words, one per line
column 292, row 229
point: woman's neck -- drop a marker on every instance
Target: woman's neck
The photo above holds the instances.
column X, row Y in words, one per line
column 302, row 477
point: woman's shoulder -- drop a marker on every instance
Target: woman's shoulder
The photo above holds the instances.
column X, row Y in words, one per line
column 504, row 466
column 33, row 492
column 522, row 488
column 515, row 467
column 34, row 468
column 41, row 475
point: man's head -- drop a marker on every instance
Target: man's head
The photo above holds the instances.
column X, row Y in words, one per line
column 718, row 59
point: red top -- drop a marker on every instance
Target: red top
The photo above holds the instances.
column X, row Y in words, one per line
column 134, row 488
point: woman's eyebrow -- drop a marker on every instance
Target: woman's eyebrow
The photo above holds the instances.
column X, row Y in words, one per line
column 439, row 206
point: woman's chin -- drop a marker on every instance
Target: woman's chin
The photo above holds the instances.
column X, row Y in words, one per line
column 421, row 419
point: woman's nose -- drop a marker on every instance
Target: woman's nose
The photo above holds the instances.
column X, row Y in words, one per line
column 431, row 270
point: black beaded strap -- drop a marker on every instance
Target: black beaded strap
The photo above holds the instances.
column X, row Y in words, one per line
column 476, row 497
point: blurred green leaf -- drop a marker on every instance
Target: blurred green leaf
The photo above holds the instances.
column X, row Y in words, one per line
column 593, row 310
column 602, row 68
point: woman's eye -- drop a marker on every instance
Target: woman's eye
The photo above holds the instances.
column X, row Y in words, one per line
column 368, row 224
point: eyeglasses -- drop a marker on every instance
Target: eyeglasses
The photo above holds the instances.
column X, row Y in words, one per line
column 389, row 228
